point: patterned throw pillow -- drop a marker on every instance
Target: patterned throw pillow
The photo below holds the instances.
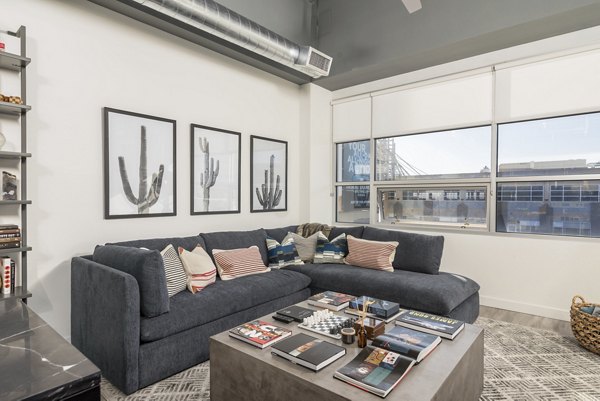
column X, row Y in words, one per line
column 176, row 277
column 371, row 254
column 331, row 251
column 284, row 254
column 199, row 268
column 234, row 263
column 305, row 246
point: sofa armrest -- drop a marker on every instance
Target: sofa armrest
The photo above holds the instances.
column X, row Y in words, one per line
column 105, row 320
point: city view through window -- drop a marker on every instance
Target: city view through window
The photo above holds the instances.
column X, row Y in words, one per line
column 547, row 177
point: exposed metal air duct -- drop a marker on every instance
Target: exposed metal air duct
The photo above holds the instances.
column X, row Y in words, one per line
column 220, row 21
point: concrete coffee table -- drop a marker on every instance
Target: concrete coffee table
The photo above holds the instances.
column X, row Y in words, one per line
column 239, row 371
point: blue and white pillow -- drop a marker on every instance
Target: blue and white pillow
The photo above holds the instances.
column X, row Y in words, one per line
column 332, row 251
column 284, row 254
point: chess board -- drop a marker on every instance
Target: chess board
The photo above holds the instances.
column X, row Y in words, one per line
column 324, row 326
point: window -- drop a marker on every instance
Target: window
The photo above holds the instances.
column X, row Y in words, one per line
column 550, row 207
column 538, row 162
column 455, row 206
column 353, row 166
column 354, row 161
column 551, row 146
column 460, row 153
column 353, row 203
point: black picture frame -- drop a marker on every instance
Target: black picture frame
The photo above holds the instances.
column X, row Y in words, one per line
column 265, row 159
column 227, row 165
column 130, row 139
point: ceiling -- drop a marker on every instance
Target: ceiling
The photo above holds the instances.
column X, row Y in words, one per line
column 375, row 39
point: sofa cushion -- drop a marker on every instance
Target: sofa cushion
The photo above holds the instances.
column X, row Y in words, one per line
column 438, row 294
column 306, row 247
column 376, row 255
column 176, row 277
column 159, row 244
column 279, row 234
column 282, row 254
column 237, row 240
column 330, row 251
column 356, row 231
column 199, row 268
column 221, row 299
column 146, row 266
column 416, row 252
column 235, row 263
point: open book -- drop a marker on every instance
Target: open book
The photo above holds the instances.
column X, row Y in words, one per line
column 408, row 342
column 375, row 370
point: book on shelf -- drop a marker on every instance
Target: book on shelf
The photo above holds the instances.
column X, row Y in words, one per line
column 10, row 239
column 408, row 342
column 8, row 272
column 297, row 313
column 375, row 370
column 12, row 244
column 444, row 327
column 259, row 333
column 332, row 300
column 8, row 226
column 308, row 351
column 10, row 235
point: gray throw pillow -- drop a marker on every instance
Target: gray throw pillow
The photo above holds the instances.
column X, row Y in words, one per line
column 305, row 246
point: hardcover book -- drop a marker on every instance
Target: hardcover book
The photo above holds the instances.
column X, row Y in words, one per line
column 444, row 327
column 379, row 308
column 375, row 370
column 408, row 342
column 335, row 301
column 297, row 313
column 259, row 333
column 308, row 351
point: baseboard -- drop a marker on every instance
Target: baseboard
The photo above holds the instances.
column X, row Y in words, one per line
column 532, row 309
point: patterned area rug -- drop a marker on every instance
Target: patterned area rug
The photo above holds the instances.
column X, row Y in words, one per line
column 521, row 364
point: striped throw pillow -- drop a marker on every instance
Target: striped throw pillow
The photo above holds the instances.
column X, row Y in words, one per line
column 330, row 251
column 176, row 278
column 199, row 268
column 371, row 254
column 284, row 254
column 234, row 263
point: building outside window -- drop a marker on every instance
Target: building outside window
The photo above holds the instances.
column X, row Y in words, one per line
column 353, row 166
column 546, row 171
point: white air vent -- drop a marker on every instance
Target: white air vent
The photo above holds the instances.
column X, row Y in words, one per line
column 314, row 62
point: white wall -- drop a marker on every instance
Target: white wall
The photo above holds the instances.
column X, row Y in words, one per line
column 85, row 57
column 525, row 273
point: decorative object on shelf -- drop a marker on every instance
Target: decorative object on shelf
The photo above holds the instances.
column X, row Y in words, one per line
column 268, row 175
column 9, row 186
column 215, row 170
column 2, row 47
column 125, row 134
column 11, row 99
column 2, row 140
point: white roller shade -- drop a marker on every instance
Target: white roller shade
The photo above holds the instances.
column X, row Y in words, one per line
column 352, row 120
column 463, row 101
column 565, row 85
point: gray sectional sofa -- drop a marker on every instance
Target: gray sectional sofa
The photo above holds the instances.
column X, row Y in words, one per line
column 122, row 319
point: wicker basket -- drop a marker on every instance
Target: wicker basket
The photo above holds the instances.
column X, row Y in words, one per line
column 586, row 328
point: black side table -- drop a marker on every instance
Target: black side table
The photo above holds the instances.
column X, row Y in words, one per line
column 36, row 363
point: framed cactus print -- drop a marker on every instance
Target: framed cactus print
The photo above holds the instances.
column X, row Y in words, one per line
column 215, row 173
column 139, row 165
column 268, row 175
